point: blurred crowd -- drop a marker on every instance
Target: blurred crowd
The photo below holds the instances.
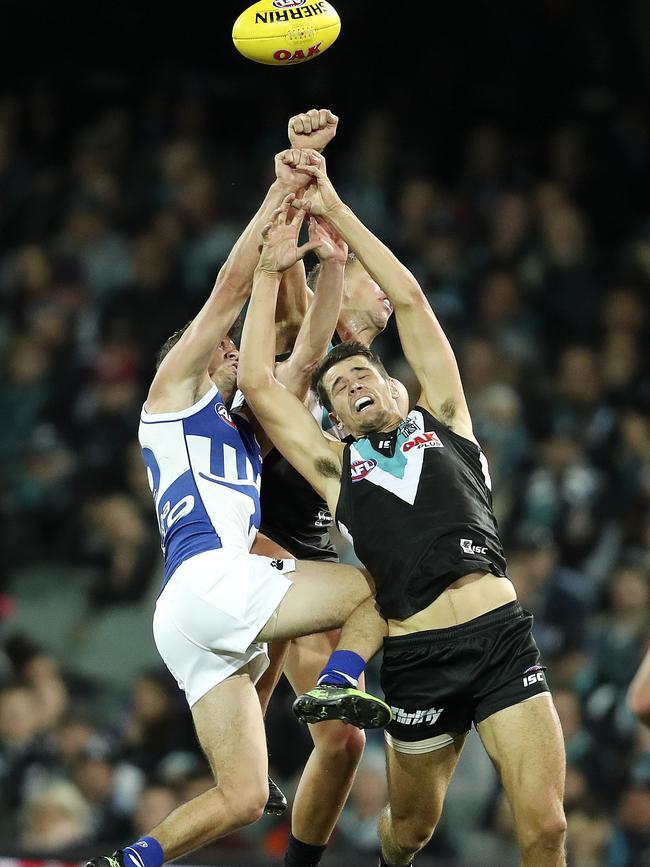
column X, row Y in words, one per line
column 534, row 250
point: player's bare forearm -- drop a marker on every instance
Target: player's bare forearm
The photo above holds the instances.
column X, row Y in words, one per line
column 316, row 330
column 284, row 418
column 323, row 313
column 257, row 348
column 293, row 302
column 383, row 266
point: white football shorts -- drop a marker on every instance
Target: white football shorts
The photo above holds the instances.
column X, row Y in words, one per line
column 210, row 612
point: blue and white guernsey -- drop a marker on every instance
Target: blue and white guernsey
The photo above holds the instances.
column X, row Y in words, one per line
column 204, row 470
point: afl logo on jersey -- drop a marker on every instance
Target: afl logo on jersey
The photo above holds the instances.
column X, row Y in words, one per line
column 360, row 469
column 223, row 413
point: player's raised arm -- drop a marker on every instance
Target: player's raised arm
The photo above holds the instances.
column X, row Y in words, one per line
column 313, row 129
column 294, row 299
column 188, row 360
column 423, row 340
column 286, row 420
column 320, row 321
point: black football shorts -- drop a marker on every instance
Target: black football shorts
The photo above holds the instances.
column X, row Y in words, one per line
column 440, row 681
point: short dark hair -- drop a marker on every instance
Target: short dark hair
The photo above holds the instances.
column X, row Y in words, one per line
column 314, row 273
column 339, row 353
column 234, row 334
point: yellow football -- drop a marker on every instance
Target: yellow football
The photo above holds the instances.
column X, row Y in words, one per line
column 286, row 32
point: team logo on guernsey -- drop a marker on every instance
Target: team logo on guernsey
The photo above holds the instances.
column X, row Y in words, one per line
column 407, row 427
column 425, row 440
column 223, row 413
column 360, row 469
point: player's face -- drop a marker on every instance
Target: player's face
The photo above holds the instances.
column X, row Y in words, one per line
column 223, row 367
column 364, row 297
column 362, row 400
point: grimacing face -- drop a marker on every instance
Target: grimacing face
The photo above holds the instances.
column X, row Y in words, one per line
column 362, row 295
column 223, row 366
column 362, row 400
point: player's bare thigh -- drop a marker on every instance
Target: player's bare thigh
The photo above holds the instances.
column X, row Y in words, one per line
column 526, row 745
column 322, row 597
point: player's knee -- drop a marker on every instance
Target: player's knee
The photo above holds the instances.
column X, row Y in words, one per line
column 412, row 833
column 544, row 831
column 340, row 743
column 247, row 801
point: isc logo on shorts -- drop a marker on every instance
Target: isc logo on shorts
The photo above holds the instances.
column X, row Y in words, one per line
column 360, row 469
column 533, row 675
column 418, row 717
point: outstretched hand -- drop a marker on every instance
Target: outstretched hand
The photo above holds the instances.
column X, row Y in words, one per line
column 313, row 129
column 280, row 248
column 330, row 244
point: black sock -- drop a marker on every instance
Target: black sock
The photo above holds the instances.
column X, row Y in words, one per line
column 301, row 854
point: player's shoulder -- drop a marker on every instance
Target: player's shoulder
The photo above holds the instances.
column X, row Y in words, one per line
column 167, row 395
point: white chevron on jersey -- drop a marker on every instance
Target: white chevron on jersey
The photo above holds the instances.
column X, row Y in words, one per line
column 406, row 487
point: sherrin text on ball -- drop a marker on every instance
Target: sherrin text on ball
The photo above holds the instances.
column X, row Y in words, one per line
column 286, row 32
